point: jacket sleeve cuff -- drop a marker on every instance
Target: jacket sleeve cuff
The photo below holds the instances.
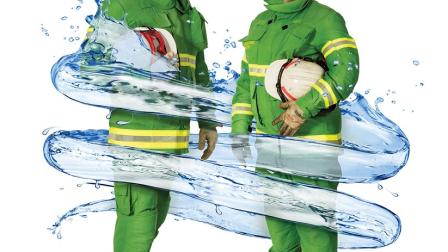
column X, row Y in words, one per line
column 311, row 104
column 241, row 125
column 208, row 125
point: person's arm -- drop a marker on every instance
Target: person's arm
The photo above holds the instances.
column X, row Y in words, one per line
column 242, row 114
column 341, row 56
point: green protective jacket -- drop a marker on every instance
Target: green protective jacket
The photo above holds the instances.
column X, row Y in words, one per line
column 187, row 26
column 304, row 29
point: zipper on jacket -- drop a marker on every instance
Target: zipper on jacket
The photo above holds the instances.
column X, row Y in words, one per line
column 255, row 96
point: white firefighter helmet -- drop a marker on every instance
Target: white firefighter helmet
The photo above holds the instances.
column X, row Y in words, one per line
column 288, row 80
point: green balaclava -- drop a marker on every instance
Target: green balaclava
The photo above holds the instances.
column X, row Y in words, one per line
column 291, row 7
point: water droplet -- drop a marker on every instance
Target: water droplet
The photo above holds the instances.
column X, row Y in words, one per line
column 216, row 65
column 108, row 114
column 79, row 185
column 71, row 39
column 226, row 46
column 422, row 84
column 380, row 187
column 227, row 41
column 122, row 123
column 336, row 62
column 367, row 92
column 76, row 38
column 378, row 101
column 47, row 130
column 97, row 184
column 59, row 235
column 218, row 211
column 78, row 7
column 64, row 18
column 233, row 44
column 83, row 216
column 394, row 101
column 416, row 62
column 395, row 195
column 72, row 27
column 338, row 87
column 89, row 19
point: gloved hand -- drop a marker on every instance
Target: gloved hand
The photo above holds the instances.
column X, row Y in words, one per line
column 292, row 118
column 211, row 137
column 241, row 148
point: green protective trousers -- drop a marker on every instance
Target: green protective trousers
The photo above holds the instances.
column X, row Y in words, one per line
column 289, row 236
column 141, row 210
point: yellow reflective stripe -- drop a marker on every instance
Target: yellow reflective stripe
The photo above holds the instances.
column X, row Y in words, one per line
column 247, row 105
column 186, row 55
column 245, row 58
column 90, row 29
column 151, row 145
column 326, row 92
column 250, row 113
column 242, row 109
column 134, row 132
column 324, row 138
column 337, row 44
column 187, row 60
column 258, row 70
column 322, row 94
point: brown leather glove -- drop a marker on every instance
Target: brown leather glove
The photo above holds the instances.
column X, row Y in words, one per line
column 292, row 118
column 211, row 137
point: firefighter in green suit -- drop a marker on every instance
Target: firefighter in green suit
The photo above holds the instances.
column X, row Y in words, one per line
column 310, row 31
column 141, row 210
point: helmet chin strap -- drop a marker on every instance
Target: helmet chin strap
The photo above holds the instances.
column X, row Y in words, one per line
column 278, row 85
column 151, row 35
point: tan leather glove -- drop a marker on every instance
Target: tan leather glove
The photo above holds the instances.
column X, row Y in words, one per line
column 211, row 137
column 292, row 118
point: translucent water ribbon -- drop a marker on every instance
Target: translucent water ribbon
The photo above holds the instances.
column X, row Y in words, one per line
column 108, row 72
column 86, row 154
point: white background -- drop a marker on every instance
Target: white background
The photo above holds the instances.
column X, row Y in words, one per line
column 389, row 34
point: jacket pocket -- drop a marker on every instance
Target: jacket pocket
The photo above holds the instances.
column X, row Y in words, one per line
column 299, row 39
column 256, row 33
column 122, row 198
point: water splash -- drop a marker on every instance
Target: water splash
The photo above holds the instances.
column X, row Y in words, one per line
column 85, row 154
column 101, row 73
column 301, row 157
column 241, row 222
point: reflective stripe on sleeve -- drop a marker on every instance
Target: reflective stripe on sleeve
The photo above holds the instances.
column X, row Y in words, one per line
column 258, row 70
column 326, row 92
column 242, row 109
column 187, row 60
column 337, row 44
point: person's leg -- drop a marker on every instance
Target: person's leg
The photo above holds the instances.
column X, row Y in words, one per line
column 163, row 206
column 313, row 238
column 137, row 214
column 283, row 235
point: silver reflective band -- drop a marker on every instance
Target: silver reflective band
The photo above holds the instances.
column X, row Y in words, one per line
column 153, row 139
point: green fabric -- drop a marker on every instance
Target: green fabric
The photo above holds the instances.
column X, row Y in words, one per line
column 280, row 33
column 290, row 7
column 289, row 236
column 190, row 38
column 300, row 34
column 141, row 210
